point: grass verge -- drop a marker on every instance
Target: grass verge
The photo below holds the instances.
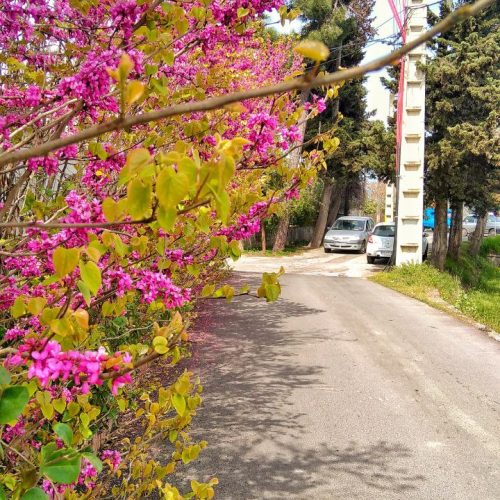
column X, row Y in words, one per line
column 470, row 285
column 296, row 250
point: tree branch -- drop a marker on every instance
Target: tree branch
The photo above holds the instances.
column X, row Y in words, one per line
column 220, row 101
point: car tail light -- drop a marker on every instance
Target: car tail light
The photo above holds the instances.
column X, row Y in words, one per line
column 370, row 239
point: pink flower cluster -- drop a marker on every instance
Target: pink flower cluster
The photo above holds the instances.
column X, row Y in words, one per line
column 11, row 432
column 158, row 286
column 49, row 363
column 247, row 225
column 114, row 457
column 14, row 334
column 118, row 280
column 30, row 266
column 179, row 257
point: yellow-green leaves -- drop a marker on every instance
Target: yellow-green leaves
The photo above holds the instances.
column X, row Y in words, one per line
column 133, row 92
column 171, row 188
column 242, row 12
column 137, row 160
column 44, row 399
column 125, row 67
column 160, row 345
column 270, row 289
column 35, row 305
column 139, row 195
column 313, row 49
column 110, row 209
column 91, row 275
column 18, row 309
column 179, row 403
column 65, row 260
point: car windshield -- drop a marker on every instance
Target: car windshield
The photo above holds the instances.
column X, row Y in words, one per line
column 349, row 225
column 387, row 231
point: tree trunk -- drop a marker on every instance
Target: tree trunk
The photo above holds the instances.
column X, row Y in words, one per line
column 263, row 237
column 440, row 237
column 335, row 206
column 324, row 208
column 282, row 232
column 455, row 240
column 347, row 200
column 477, row 235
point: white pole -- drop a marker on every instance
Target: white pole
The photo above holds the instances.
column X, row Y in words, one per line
column 410, row 194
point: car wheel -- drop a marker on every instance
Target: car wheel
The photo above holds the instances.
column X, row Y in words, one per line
column 327, row 250
column 363, row 247
column 491, row 232
column 370, row 260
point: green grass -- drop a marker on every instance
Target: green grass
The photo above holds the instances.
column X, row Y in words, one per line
column 470, row 285
column 491, row 245
column 295, row 250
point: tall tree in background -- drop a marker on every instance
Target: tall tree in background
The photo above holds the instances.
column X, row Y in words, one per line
column 345, row 27
column 462, row 121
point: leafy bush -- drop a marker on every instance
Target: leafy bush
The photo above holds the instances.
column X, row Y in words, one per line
column 490, row 245
column 124, row 191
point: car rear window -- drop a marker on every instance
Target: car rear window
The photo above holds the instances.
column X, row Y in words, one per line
column 384, row 231
column 349, row 225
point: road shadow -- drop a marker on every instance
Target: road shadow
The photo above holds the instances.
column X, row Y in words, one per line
column 256, row 439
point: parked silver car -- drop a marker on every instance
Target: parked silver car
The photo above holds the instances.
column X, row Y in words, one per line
column 470, row 222
column 348, row 233
column 381, row 243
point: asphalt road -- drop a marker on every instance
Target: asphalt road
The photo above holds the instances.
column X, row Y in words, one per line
column 346, row 390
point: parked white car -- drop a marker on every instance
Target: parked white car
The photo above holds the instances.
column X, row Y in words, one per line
column 381, row 243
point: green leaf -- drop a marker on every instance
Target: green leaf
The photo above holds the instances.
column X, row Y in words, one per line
column 35, row 494
column 18, row 309
column 160, row 344
column 60, row 466
column 166, row 217
column 96, row 462
column 85, row 291
column 65, row 432
column 139, row 193
column 171, row 187
column 3, row 496
column 65, row 260
column 45, row 401
column 179, row 403
column 110, row 209
column 136, row 160
column 242, row 12
column 12, row 403
column 91, row 275
column 35, row 305
column 4, row 376
column 59, row 404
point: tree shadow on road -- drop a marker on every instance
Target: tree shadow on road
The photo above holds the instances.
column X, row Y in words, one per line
column 256, row 439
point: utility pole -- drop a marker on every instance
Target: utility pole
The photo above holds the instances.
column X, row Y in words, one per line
column 410, row 185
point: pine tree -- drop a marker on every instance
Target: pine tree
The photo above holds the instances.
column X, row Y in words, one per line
column 462, row 120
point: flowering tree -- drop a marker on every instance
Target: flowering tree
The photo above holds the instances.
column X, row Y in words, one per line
column 111, row 232
column 125, row 185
